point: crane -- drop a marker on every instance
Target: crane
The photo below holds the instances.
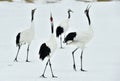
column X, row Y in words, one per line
column 80, row 39
column 48, row 48
column 25, row 36
column 63, row 27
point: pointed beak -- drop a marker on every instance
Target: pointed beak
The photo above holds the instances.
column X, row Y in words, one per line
column 35, row 9
column 88, row 7
column 69, row 10
column 72, row 11
column 50, row 14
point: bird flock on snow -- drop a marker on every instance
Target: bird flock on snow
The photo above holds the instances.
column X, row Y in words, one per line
column 47, row 49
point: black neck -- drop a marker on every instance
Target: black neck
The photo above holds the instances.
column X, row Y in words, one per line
column 32, row 14
column 52, row 27
column 89, row 21
column 69, row 15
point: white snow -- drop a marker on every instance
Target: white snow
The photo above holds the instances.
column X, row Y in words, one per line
column 101, row 57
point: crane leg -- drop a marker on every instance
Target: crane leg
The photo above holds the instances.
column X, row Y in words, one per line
column 51, row 70
column 27, row 54
column 74, row 66
column 43, row 75
column 81, row 57
column 61, row 42
column 17, row 54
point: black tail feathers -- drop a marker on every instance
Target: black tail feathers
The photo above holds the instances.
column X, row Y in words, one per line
column 18, row 39
column 44, row 51
column 70, row 37
column 59, row 31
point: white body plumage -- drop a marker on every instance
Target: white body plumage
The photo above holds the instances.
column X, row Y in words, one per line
column 84, row 37
column 27, row 35
column 52, row 44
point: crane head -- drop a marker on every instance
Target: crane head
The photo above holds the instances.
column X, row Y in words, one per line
column 87, row 9
column 51, row 18
column 69, row 10
column 33, row 10
column 52, row 26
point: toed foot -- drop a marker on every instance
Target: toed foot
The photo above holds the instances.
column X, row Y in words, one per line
column 27, row 61
column 74, row 67
column 54, row 76
column 43, row 76
column 15, row 60
column 83, row 70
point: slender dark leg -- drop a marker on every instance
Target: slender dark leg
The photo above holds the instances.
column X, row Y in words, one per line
column 64, row 36
column 27, row 53
column 64, row 39
column 74, row 66
column 44, row 70
column 81, row 57
column 17, row 54
column 61, row 42
column 52, row 70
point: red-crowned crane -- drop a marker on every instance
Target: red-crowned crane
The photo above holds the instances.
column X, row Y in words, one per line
column 63, row 27
column 48, row 48
column 25, row 36
column 80, row 39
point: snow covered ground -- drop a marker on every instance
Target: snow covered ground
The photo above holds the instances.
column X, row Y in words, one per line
column 101, row 57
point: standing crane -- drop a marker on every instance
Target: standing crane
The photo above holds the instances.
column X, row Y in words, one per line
column 80, row 39
column 48, row 48
column 25, row 36
column 63, row 27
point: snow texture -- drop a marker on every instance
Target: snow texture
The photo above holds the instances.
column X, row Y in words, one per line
column 101, row 57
